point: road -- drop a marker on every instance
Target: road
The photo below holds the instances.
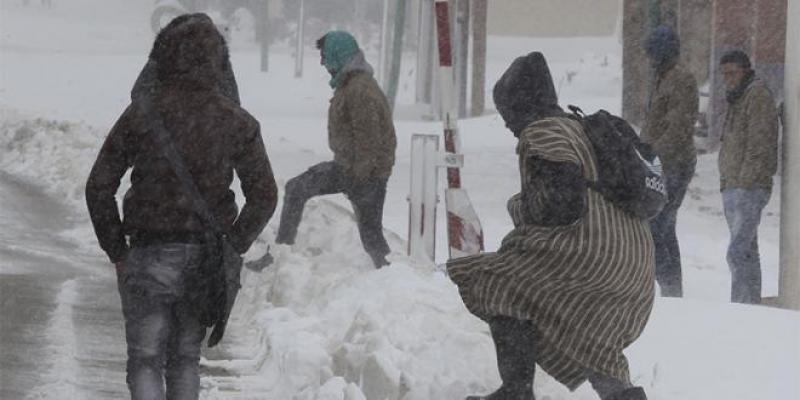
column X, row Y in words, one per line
column 61, row 332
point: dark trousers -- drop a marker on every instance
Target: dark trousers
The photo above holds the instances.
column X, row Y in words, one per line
column 161, row 328
column 367, row 199
column 665, row 239
column 515, row 344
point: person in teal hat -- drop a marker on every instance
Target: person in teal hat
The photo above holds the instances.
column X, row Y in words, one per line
column 362, row 138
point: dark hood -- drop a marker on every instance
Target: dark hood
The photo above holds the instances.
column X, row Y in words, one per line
column 190, row 53
column 663, row 47
column 525, row 93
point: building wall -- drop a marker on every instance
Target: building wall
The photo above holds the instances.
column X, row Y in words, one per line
column 553, row 18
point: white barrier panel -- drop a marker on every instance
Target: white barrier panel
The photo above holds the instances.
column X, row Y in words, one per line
column 466, row 239
column 422, row 197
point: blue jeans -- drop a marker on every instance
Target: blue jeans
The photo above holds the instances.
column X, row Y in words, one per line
column 665, row 239
column 161, row 328
column 743, row 212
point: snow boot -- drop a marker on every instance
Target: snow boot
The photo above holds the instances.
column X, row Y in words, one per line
column 634, row 393
column 516, row 359
column 380, row 262
column 507, row 392
column 258, row 265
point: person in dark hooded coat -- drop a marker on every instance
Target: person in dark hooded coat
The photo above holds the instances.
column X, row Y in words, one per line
column 572, row 284
column 669, row 129
column 158, row 247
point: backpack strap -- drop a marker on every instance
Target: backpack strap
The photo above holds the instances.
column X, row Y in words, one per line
column 576, row 111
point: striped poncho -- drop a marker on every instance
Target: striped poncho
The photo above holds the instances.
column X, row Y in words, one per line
column 587, row 287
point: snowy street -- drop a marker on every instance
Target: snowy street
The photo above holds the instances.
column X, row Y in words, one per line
column 61, row 324
column 321, row 323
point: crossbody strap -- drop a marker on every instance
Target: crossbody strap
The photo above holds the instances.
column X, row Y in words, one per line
column 167, row 146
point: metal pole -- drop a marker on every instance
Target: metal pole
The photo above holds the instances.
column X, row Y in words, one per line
column 464, row 232
column 462, row 60
column 382, row 75
column 397, row 50
column 789, row 291
column 635, row 68
column 262, row 25
column 479, row 20
column 424, row 53
column 301, row 22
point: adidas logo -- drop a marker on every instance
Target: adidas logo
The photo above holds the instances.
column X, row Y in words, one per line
column 656, row 184
column 654, row 166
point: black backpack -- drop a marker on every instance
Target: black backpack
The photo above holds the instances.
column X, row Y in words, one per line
column 629, row 170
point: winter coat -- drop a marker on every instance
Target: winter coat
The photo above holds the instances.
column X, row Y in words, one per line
column 360, row 128
column 672, row 113
column 214, row 136
column 587, row 282
column 748, row 157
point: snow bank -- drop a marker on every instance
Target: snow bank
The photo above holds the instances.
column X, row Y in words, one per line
column 322, row 323
column 333, row 327
column 55, row 155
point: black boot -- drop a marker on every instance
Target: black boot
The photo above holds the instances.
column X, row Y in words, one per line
column 634, row 393
column 516, row 359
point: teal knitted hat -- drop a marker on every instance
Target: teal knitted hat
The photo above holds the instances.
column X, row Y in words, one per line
column 339, row 48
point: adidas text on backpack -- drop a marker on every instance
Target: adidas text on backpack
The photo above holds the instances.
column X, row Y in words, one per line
column 629, row 171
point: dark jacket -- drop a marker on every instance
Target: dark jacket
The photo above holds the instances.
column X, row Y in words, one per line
column 672, row 113
column 748, row 157
column 360, row 128
column 553, row 193
column 212, row 133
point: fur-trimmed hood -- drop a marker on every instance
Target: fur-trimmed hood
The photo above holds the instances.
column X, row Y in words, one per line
column 189, row 52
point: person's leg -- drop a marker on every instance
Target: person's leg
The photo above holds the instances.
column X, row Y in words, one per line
column 668, row 269
column 606, row 386
column 183, row 356
column 367, row 200
column 183, row 348
column 668, row 254
column 146, row 331
column 514, row 342
column 323, row 178
column 745, row 207
column 147, row 327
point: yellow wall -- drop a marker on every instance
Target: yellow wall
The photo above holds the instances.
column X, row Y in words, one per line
column 554, row 18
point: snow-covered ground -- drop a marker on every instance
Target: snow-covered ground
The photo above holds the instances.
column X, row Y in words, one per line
column 321, row 323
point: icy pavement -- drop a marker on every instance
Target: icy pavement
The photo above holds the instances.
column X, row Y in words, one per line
column 61, row 326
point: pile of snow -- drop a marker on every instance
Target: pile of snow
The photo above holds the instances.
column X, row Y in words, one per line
column 55, row 155
column 322, row 324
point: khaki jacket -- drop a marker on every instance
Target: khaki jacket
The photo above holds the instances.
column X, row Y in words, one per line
column 669, row 125
column 748, row 157
column 360, row 129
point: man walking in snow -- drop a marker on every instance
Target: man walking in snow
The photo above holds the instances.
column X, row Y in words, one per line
column 748, row 158
column 572, row 284
column 362, row 138
column 669, row 129
column 159, row 248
